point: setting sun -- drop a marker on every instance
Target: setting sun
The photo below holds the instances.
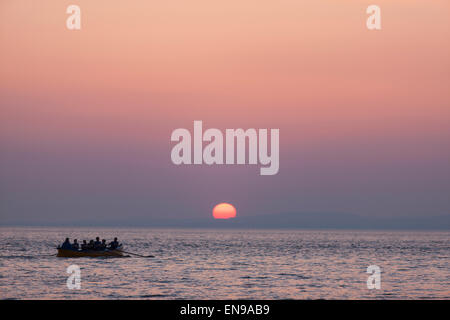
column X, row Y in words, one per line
column 224, row 211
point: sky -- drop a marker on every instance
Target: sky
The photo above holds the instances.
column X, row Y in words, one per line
column 86, row 115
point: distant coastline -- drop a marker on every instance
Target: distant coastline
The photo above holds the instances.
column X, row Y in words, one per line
column 342, row 221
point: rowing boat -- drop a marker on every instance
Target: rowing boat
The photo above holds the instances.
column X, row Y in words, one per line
column 65, row 253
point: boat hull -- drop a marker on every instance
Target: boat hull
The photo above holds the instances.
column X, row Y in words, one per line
column 63, row 253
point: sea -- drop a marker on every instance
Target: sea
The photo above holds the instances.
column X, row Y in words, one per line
column 228, row 264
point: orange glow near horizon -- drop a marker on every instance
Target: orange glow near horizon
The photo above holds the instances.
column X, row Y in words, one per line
column 224, row 211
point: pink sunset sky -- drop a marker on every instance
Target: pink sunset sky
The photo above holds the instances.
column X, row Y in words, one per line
column 86, row 115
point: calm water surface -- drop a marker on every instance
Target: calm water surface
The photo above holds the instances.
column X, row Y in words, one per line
column 228, row 264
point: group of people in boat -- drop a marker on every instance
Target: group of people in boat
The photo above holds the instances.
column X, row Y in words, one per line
column 96, row 245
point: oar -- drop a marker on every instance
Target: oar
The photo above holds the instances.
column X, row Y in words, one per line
column 135, row 254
